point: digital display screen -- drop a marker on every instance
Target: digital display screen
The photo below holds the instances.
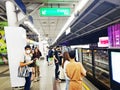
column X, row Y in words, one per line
column 115, row 62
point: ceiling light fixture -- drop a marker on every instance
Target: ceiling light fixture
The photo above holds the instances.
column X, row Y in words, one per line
column 29, row 24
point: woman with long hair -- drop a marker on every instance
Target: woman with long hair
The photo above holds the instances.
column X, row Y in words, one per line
column 36, row 55
column 64, row 64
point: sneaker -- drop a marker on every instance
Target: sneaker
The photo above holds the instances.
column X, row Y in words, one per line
column 35, row 80
column 58, row 80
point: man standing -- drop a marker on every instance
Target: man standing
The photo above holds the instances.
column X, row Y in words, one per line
column 50, row 56
column 75, row 71
column 56, row 59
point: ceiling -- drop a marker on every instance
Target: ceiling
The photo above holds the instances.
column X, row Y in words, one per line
column 93, row 23
column 98, row 16
column 48, row 27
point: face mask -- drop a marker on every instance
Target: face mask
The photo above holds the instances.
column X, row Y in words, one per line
column 27, row 51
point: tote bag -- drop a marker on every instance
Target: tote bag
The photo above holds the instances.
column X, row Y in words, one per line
column 62, row 75
column 37, row 62
column 23, row 71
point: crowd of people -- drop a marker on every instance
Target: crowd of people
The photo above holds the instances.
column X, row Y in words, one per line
column 31, row 59
column 73, row 71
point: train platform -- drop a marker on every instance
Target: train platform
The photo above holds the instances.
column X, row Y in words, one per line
column 3, row 68
column 46, row 82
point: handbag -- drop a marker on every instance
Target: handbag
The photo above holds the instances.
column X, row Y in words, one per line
column 23, row 71
column 50, row 60
column 62, row 75
column 37, row 62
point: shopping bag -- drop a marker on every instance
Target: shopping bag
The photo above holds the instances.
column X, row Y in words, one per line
column 37, row 62
column 62, row 75
column 50, row 60
column 23, row 71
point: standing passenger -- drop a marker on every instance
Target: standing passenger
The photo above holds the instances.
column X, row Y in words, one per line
column 56, row 59
column 75, row 71
column 60, row 56
column 47, row 49
column 36, row 55
column 64, row 64
column 50, row 56
column 27, row 62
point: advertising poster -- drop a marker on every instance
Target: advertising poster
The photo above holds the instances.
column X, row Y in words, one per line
column 3, row 47
column 115, row 64
column 114, row 35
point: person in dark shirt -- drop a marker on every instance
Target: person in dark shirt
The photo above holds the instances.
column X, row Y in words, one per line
column 60, row 57
column 50, row 56
column 56, row 59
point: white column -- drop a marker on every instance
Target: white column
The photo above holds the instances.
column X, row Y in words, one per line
column 11, row 14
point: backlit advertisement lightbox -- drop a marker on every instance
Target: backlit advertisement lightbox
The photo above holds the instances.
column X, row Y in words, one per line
column 114, row 67
column 114, row 35
column 115, row 61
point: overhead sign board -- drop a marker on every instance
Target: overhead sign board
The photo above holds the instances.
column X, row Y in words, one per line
column 55, row 11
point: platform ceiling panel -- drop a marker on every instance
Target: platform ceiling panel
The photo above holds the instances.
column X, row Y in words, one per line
column 50, row 26
column 44, row 25
column 97, row 16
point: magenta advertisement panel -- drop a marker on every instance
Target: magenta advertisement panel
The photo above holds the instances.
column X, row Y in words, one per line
column 114, row 35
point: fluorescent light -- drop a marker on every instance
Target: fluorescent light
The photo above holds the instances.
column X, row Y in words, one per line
column 80, row 46
column 68, row 31
column 31, row 26
column 80, row 6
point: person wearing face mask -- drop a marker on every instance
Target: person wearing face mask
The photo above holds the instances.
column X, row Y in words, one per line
column 27, row 62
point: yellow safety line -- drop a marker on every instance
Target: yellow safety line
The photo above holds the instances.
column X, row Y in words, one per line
column 85, row 86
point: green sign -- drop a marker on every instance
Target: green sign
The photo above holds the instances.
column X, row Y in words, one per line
column 54, row 11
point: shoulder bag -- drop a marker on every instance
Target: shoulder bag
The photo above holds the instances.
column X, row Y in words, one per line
column 23, row 71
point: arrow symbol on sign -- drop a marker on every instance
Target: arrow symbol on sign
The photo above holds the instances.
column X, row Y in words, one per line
column 44, row 12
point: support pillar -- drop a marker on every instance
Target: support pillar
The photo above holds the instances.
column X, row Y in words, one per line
column 11, row 14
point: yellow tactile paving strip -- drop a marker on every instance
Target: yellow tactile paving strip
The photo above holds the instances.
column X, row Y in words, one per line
column 85, row 86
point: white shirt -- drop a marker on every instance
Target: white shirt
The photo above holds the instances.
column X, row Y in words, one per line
column 26, row 59
column 65, row 64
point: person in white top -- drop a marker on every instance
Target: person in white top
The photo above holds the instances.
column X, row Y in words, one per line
column 27, row 62
column 64, row 64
